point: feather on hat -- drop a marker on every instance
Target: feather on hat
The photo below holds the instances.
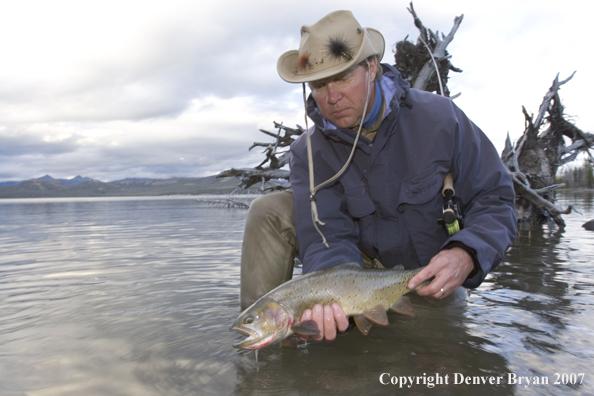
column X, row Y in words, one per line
column 330, row 46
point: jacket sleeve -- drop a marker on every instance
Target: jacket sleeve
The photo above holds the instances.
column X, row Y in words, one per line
column 486, row 196
column 340, row 230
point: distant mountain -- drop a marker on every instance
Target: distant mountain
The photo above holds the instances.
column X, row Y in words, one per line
column 130, row 179
column 8, row 183
column 75, row 181
column 49, row 187
column 34, row 188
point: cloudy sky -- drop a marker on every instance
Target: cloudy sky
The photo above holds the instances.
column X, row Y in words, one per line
column 114, row 89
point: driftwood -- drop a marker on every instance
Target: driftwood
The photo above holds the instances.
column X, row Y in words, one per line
column 538, row 154
column 227, row 202
column 277, row 156
column 251, row 176
column 417, row 63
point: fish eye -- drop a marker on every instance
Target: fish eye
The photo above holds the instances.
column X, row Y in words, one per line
column 248, row 320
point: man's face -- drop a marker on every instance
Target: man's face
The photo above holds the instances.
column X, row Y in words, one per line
column 341, row 98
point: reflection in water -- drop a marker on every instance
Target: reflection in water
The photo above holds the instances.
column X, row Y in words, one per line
column 136, row 296
column 435, row 341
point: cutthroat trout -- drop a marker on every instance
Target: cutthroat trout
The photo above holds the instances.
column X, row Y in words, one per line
column 364, row 294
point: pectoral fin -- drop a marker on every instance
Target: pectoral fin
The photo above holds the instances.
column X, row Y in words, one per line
column 306, row 328
column 377, row 315
column 362, row 324
column 403, row 306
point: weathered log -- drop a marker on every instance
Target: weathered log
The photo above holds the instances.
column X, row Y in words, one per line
column 251, row 176
column 547, row 207
column 228, row 202
column 418, row 63
column 549, row 188
column 270, row 167
column 250, row 172
column 534, row 161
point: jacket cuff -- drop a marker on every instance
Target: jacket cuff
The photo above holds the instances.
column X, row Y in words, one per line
column 471, row 252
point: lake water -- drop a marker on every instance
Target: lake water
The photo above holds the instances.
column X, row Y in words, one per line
column 135, row 296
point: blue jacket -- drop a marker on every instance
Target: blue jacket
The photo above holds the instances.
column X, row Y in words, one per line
column 388, row 201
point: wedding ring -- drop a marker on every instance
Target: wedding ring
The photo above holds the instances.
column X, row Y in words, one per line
column 442, row 292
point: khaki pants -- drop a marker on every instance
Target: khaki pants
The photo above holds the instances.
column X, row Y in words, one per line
column 270, row 246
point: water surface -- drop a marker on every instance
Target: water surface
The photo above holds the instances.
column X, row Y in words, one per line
column 135, row 296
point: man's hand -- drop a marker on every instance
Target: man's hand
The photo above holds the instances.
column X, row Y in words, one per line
column 450, row 268
column 329, row 318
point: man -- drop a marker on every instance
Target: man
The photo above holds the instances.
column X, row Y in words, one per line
column 367, row 178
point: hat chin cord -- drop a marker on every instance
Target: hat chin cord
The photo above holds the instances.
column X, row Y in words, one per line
column 312, row 187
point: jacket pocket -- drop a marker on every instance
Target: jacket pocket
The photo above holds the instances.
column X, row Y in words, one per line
column 359, row 203
column 420, row 191
column 421, row 206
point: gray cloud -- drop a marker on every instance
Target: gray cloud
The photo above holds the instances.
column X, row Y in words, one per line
column 129, row 89
column 25, row 144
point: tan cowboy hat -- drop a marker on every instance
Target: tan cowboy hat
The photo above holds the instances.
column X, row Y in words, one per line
column 329, row 47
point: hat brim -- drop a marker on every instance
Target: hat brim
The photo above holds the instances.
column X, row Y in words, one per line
column 287, row 62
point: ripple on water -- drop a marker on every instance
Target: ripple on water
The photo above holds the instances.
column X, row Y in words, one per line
column 136, row 297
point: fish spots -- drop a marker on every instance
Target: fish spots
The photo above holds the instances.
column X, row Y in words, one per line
column 356, row 290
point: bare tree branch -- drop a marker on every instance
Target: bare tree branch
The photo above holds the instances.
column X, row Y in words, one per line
column 539, row 153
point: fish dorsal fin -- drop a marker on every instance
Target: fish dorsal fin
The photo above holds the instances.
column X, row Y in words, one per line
column 362, row 324
column 403, row 306
column 306, row 328
column 377, row 315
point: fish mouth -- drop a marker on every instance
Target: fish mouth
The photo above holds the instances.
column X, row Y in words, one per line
column 254, row 339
